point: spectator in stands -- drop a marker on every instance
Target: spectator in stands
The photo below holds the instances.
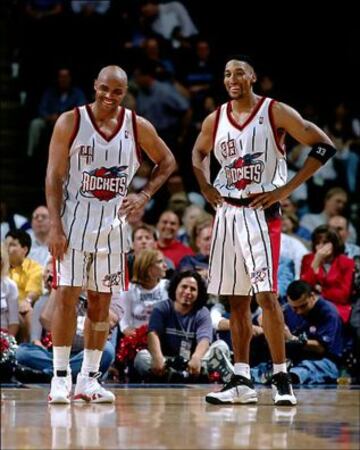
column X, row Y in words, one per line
column 9, row 296
column 55, row 100
column 168, row 226
column 191, row 213
column 292, row 249
column 144, row 238
column 314, row 335
column 161, row 103
column 328, row 271
column 10, row 220
column 201, row 233
column 341, row 225
column 181, row 326
column 27, row 275
column 170, row 20
column 38, row 358
column 334, row 204
column 147, row 288
column 290, row 225
column 40, row 227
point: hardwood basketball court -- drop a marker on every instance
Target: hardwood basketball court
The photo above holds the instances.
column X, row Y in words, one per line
column 177, row 417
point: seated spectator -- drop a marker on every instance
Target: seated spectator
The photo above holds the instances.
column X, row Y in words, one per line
column 40, row 227
column 191, row 213
column 328, row 271
column 334, row 204
column 341, row 225
column 290, row 226
column 27, row 275
column 144, row 238
column 9, row 296
column 202, row 231
column 314, row 335
column 168, row 226
column 38, row 358
column 286, row 275
column 55, row 100
column 292, row 249
column 148, row 287
column 170, row 20
column 181, row 327
column 11, row 221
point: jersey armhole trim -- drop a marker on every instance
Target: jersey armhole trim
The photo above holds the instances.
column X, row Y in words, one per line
column 76, row 127
column 216, row 124
column 137, row 146
column 280, row 147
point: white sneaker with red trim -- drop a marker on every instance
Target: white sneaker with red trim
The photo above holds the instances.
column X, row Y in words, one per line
column 60, row 391
column 89, row 390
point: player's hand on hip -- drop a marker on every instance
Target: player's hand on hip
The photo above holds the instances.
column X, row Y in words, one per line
column 263, row 201
column 212, row 195
column 132, row 204
column 57, row 243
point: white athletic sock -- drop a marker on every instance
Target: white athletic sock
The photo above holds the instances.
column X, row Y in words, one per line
column 61, row 357
column 277, row 368
column 242, row 369
column 91, row 361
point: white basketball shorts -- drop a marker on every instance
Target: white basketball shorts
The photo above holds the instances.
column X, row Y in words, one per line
column 99, row 272
column 244, row 255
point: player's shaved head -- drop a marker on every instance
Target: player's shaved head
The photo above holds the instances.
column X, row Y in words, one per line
column 112, row 72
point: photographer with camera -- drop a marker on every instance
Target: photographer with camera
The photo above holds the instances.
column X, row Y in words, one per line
column 180, row 334
column 314, row 335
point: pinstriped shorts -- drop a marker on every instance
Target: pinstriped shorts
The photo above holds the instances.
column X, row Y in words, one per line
column 99, row 272
column 245, row 249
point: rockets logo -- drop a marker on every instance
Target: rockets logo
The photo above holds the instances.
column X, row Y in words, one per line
column 245, row 170
column 104, row 183
column 112, row 279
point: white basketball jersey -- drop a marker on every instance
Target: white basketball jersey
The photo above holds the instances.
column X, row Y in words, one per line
column 100, row 170
column 251, row 156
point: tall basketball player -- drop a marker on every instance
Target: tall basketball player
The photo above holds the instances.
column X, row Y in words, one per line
column 94, row 154
column 247, row 137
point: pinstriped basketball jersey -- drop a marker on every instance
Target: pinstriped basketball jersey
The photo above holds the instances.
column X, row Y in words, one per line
column 99, row 172
column 251, row 157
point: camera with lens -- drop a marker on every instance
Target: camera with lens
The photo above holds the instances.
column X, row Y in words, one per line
column 176, row 369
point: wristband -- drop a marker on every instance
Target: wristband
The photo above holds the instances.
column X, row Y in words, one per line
column 147, row 195
column 322, row 152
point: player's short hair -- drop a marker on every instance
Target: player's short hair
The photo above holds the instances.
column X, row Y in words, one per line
column 243, row 58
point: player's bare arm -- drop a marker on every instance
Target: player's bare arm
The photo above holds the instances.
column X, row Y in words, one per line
column 164, row 164
column 201, row 161
column 306, row 133
column 55, row 176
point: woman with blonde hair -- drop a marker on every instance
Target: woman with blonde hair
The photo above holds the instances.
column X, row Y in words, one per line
column 147, row 288
column 9, row 296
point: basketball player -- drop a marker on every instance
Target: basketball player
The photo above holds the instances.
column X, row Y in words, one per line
column 247, row 137
column 94, row 154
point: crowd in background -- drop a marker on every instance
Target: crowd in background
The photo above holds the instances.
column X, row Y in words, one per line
column 174, row 72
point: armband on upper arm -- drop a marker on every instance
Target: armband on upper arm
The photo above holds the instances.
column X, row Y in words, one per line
column 322, row 152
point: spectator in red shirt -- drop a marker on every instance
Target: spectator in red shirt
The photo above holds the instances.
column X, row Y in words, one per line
column 168, row 226
column 328, row 270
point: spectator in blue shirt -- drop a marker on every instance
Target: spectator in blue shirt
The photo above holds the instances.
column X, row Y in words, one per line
column 181, row 327
column 55, row 100
column 314, row 335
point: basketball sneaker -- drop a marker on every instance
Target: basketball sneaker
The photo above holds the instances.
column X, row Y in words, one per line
column 282, row 391
column 89, row 390
column 238, row 390
column 60, row 390
column 220, row 363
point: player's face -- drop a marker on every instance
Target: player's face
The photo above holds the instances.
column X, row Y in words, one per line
column 238, row 79
column 187, row 292
column 110, row 92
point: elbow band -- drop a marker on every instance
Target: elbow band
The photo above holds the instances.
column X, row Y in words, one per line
column 322, row 152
